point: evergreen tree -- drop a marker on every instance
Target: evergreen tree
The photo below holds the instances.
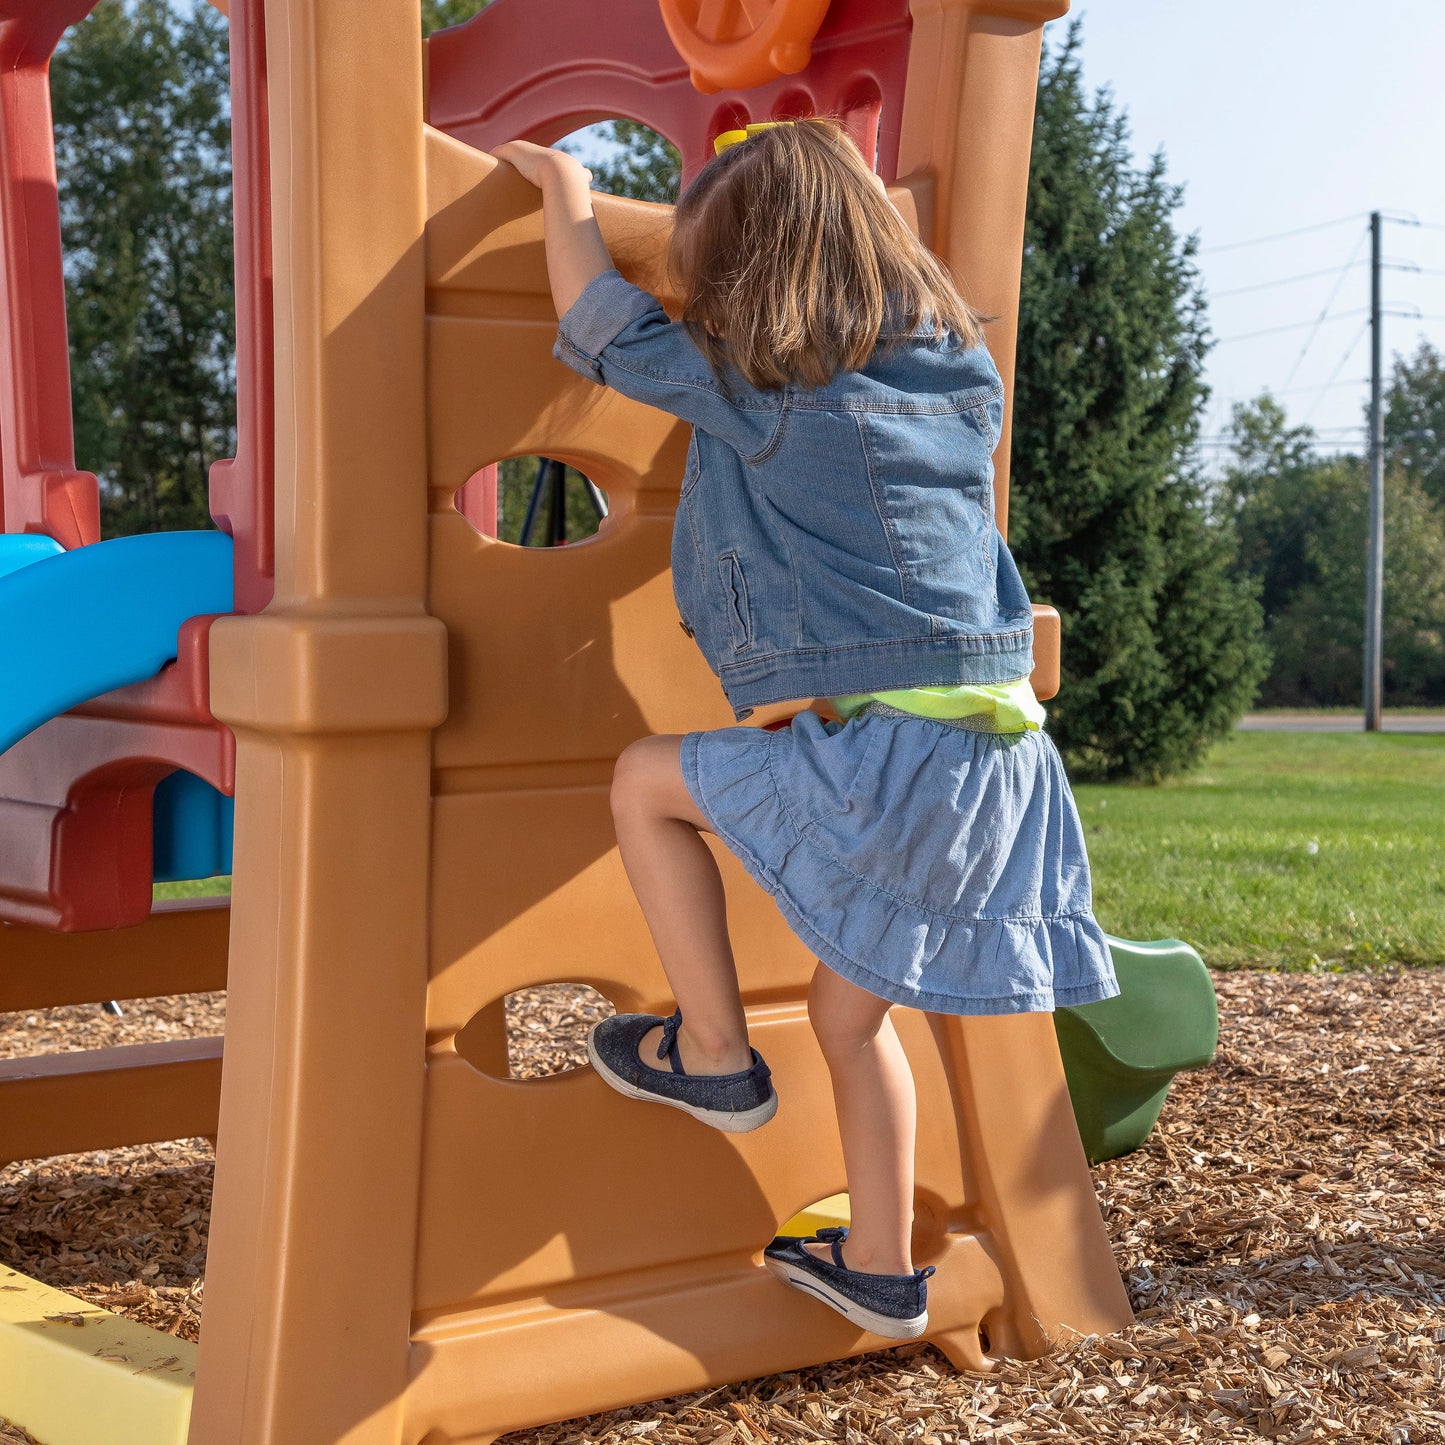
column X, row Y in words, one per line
column 142, row 136
column 1108, row 517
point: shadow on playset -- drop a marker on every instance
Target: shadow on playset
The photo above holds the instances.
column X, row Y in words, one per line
column 397, row 733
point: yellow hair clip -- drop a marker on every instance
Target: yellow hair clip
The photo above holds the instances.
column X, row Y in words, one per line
column 735, row 137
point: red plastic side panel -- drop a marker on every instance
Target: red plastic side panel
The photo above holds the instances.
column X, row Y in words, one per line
column 477, row 501
column 42, row 491
column 179, row 693
column 520, row 69
column 243, row 488
column 76, row 794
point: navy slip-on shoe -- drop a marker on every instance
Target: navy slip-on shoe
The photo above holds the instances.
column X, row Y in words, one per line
column 892, row 1305
column 735, row 1103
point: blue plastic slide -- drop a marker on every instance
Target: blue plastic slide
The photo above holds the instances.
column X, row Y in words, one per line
column 74, row 625
column 20, row 549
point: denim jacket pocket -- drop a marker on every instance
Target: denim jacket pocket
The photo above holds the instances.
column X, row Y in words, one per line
column 735, row 596
column 992, row 418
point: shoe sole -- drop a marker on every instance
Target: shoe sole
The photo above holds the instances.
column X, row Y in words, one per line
column 734, row 1123
column 889, row 1326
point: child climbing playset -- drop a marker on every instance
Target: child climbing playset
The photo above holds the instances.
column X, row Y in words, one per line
column 397, row 733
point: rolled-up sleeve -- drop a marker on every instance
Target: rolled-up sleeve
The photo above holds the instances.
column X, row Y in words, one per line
column 618, row 335
column 607, row 306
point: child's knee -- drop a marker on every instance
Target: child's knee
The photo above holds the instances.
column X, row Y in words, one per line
column 639, row 777
column 630, row 779
column 844, row 1018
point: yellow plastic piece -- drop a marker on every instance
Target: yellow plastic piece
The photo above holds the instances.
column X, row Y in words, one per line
column 74, row 1374
column 827, row 1213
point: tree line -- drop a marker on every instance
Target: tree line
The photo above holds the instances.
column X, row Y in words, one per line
column 1184, row 597
column 1301, row 519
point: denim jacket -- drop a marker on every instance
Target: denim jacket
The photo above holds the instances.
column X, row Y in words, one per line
column 828, row 541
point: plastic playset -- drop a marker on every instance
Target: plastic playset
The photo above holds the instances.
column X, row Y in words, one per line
column 397, row 733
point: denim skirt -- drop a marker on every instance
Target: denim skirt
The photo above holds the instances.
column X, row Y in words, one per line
column 932, row 865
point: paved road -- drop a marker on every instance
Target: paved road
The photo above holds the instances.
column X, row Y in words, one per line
column 1336, row 722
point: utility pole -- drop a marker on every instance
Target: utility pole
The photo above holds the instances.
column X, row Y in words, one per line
column 1375, row 553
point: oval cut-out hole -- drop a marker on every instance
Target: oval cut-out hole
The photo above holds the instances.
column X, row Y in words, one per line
column 534, row 1033
column 827, row 1213
column 533, row 502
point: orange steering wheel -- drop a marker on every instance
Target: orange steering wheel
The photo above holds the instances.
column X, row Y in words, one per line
column 739, row 44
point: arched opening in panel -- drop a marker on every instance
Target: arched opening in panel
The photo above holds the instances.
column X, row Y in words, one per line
column 193, row 827
column 627, row 158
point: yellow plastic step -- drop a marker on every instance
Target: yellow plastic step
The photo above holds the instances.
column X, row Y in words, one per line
column 74, row 1374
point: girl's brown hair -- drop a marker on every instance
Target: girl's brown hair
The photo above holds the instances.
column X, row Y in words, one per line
column 793, row 264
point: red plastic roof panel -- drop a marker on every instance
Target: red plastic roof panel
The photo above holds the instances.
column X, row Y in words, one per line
column 519, row 69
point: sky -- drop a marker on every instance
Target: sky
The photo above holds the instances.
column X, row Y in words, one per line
column 1279, row 116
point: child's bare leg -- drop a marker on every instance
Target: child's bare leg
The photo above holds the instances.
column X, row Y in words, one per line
column 677, row 882
column 874, row 1096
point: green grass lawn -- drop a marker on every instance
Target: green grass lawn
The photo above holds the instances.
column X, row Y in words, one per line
column 195, row 888
column 1300, row 850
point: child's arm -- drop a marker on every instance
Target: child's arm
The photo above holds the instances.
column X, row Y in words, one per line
column 613, row 332
column 576, row 252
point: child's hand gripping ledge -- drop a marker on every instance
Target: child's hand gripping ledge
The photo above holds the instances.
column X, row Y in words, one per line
column 576, row 252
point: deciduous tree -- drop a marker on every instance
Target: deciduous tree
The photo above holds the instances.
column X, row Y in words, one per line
column 1415, row 419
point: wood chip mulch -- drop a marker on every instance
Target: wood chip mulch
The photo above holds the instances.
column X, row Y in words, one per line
column 1280, row 1236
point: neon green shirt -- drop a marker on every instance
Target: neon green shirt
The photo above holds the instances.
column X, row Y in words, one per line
column 1013, row 705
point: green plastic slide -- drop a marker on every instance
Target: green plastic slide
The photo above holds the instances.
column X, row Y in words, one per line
column 1121, row 1055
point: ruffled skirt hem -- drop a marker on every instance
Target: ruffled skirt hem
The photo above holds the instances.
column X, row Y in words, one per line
column 919, row 957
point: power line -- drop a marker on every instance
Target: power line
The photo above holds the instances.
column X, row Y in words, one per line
column 1339, row 367
column 1228, row 438
column 1292, row 326
column 1319, row 431
column 1317, row 443
column 1313, row 386
column 1281, row 235
column 1283, row 281
column 1324, row 310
